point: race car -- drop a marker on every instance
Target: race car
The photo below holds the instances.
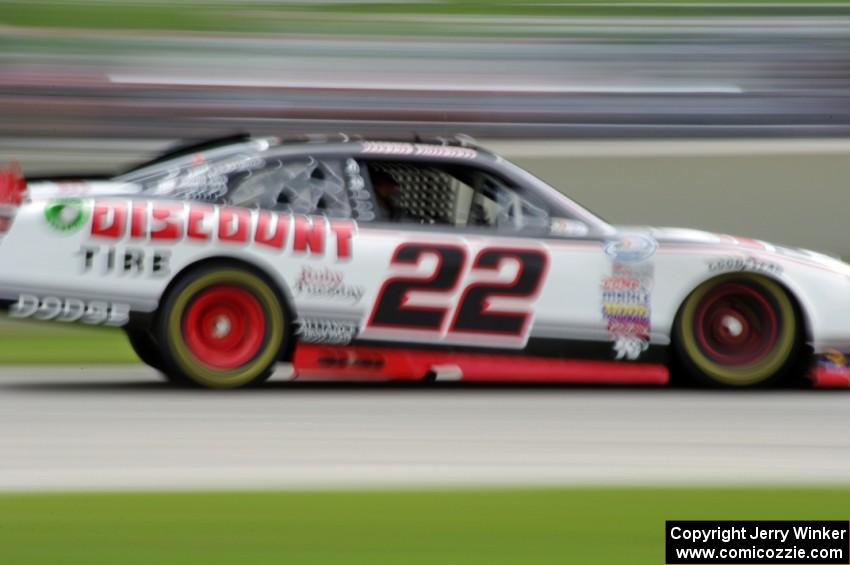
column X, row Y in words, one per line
column 418, row 260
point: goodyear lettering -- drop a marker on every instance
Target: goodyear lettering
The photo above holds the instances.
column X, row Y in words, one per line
column 165, row 223
column 744, row 264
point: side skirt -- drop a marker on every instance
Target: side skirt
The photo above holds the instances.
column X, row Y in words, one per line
column 360, row 362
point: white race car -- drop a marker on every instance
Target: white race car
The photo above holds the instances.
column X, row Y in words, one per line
column 359, row 259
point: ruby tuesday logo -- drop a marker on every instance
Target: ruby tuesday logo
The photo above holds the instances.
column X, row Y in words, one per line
column 171, row 222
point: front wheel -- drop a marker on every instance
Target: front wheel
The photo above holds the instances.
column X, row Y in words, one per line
column 221, row 327
column 738, row 330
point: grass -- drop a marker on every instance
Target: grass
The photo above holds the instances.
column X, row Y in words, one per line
column 28, row 343
column 598, row 525
column 360, row 17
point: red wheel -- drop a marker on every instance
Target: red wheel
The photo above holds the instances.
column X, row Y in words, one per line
column 737, row 330
column 224, row 327
column 221, row 326
column 736, row 325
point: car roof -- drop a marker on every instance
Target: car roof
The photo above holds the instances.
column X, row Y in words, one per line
column 459, row 148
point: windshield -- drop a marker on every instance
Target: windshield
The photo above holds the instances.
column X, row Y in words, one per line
column 565, row 206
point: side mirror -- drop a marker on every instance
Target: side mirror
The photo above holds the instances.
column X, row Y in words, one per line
column 568, row 228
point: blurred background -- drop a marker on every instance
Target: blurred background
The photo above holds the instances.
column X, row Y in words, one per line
column 726, row 115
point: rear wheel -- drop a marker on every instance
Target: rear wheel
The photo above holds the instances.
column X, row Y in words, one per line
column 221, row 327
column 738, row 330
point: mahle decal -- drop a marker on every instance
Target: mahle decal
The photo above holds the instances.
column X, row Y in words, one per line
column 67, row 214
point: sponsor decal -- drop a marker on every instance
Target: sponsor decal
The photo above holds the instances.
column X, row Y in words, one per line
column 834, row 361
column 326, row 283
column 394, row 148
column 387, row 148
column 95, row 312
column 626, row 295
column 569, row 228
column 630, row 348
column 444, row 151
column 331, row 332
column 71, row 188
column 346, row 359
column 66, row 214
column 741, row 264
column 133, row 261
column 631, row 248
column 169, row 222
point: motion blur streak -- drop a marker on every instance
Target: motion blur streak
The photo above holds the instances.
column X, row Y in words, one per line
column 756, row 73
column 122, row 428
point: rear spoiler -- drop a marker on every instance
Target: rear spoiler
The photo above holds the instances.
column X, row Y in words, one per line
column 13, row 187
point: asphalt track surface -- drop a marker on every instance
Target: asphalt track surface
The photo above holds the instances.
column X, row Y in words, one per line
column 124, row 428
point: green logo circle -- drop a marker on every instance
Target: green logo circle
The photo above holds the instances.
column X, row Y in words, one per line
column 67, row 214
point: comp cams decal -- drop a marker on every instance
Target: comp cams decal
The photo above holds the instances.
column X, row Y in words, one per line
column 95, row 312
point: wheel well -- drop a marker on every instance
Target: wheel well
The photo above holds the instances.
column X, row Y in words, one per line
column 274, row 283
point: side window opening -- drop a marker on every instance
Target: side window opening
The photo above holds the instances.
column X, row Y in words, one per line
column 414, row 193
column 454, row 196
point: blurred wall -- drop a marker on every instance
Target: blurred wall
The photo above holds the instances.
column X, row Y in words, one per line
column 791, row 192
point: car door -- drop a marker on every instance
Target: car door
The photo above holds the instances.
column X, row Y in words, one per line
column 475, row 259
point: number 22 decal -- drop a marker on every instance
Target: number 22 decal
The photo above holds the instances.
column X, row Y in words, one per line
column 473, row 313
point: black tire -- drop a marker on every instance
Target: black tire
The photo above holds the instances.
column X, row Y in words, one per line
column 222, row 326
column 144, row 346
column 738, row 330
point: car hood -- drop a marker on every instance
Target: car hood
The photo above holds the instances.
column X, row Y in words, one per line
column 677, row 235
column 685, row 235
